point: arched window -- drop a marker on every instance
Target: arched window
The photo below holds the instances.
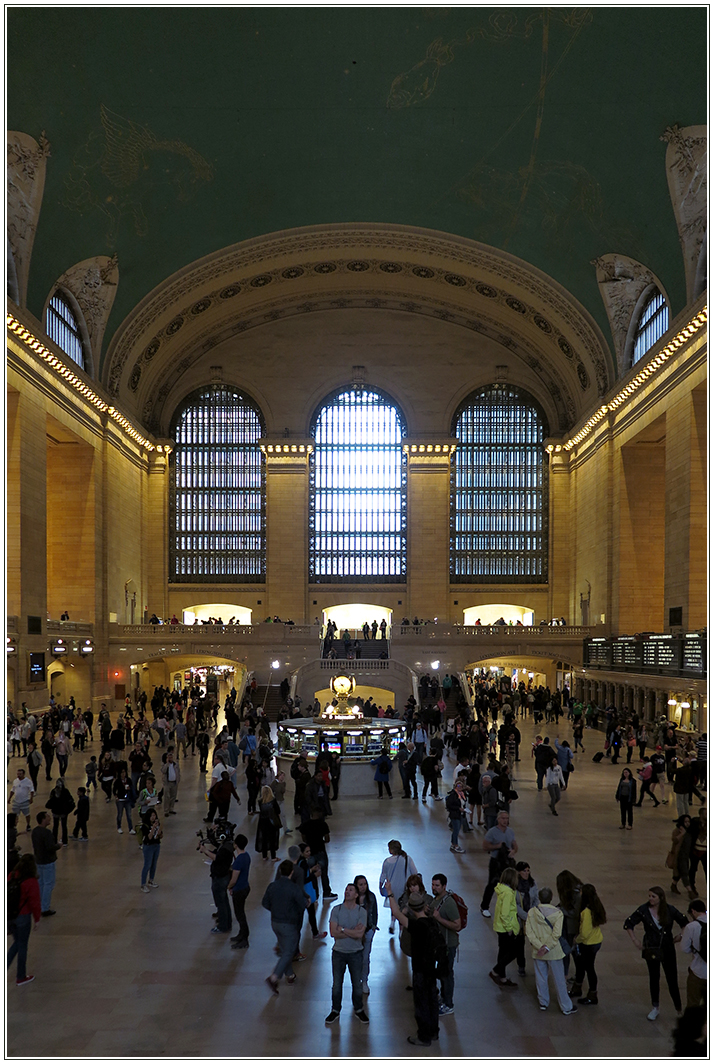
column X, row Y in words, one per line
column 358, row 501
column 653, row 323
column 217, row 510
column 63, row 328
column 499, row 489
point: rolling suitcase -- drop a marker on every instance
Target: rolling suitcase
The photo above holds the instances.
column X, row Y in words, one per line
column 598, row 757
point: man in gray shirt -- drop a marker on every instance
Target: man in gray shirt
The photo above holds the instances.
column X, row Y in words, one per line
column 286, row 902
column 500, row 843
column 348, row 922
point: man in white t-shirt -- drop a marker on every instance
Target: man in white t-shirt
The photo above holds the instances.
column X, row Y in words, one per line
column 21, row 794
column 692, row 943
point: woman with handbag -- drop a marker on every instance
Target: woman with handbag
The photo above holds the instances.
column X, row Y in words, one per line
column 569, row 889
column 267, row 836
column 396, row 869
column 657, row 944
column 626, row 795
column 313, row 874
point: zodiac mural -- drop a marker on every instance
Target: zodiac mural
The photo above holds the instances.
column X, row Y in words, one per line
column 120, row 165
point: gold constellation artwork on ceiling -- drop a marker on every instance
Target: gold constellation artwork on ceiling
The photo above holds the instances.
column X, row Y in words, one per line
column 121, row 165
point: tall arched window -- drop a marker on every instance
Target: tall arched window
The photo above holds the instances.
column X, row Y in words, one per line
column 358, row 501
column 62, row 326
column 499, row 496
column 652, row 323
column 217, row 512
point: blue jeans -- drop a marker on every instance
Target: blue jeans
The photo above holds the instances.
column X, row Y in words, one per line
column 20, row 930
column 151, row 859
column 124, row 806
column 455, row 829
column 288, row 936
column 47, row 874
column 340, row 962
column 447, row 983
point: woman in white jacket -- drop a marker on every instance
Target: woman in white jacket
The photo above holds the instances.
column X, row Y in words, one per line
column 396, row 870
column 544, row 926
column 554, row 780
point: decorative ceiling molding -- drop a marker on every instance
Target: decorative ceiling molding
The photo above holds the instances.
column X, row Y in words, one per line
column 93, row 283
column 26, row 167
column 686, row 164
column 331, row 267
column 622, row 281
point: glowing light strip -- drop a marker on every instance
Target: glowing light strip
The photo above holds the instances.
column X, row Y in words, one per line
column 683, row 336
column 77, row 383
column 286, row 448
column 428, row 448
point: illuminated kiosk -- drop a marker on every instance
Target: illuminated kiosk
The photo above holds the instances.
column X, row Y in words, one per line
column 345, row 730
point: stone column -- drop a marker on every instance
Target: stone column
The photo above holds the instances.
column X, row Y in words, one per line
column 157, row 534
column 685, row 541
column 428, row 527
column 287, row 501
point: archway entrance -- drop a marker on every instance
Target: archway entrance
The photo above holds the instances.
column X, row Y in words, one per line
column 214, row 675
column 491, row 612
column 352, row 615
column 225, row 612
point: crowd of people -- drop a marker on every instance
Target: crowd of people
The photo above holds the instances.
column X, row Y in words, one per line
column 468, row 752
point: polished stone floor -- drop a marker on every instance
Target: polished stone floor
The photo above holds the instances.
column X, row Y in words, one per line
column 120, row 973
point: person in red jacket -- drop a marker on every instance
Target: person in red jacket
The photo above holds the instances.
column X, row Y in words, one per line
column 29, row 908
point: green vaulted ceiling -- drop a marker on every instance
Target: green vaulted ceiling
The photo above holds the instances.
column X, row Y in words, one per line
column 175, row 132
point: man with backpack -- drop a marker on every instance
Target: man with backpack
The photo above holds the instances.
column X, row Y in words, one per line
column 447, row 912
column 694, row 941
column 429, row 962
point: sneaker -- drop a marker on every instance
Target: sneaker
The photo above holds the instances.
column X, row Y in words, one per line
column 414, row 1040
column 486, row 912
column 457, row 849
column 27, row 979
column 423, row 801
column 361, row 1016
column 145, row 889
column 320, row 934
column 290, row 979
column 217, row 931
column 521, row 971
column 132, row 832
column 438, row 797
column 332, row 1017
column 154, row 885
column 654, row 1013
column 119, row 831
column 571, row 1011
column 326, row 896
column 446, row 1010
column 49, row 912
column 273, row 984
column 543, row 1008
column 299, row 957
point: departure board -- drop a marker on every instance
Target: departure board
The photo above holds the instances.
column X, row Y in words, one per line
column 694, row 654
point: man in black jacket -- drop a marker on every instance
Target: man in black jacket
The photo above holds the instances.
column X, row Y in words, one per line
column 543, row 753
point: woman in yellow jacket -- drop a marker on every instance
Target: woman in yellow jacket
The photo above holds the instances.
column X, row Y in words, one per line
column 506, row 926
column 588, row 942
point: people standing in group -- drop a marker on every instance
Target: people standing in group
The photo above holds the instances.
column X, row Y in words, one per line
column 23, row 879
column 544, row 927
column 45, row 847
column 626, row 795
column 396, row 869
column 348, row 923
column 694, row 943
column 588, row 942
column 152, row 834
column 657, row 944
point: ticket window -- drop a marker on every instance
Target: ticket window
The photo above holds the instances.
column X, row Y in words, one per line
column 355, row 744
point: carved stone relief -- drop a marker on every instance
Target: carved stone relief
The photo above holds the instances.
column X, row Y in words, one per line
column 622, row 281
column 686, row 163
column 26, row 166
column 93, row 283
